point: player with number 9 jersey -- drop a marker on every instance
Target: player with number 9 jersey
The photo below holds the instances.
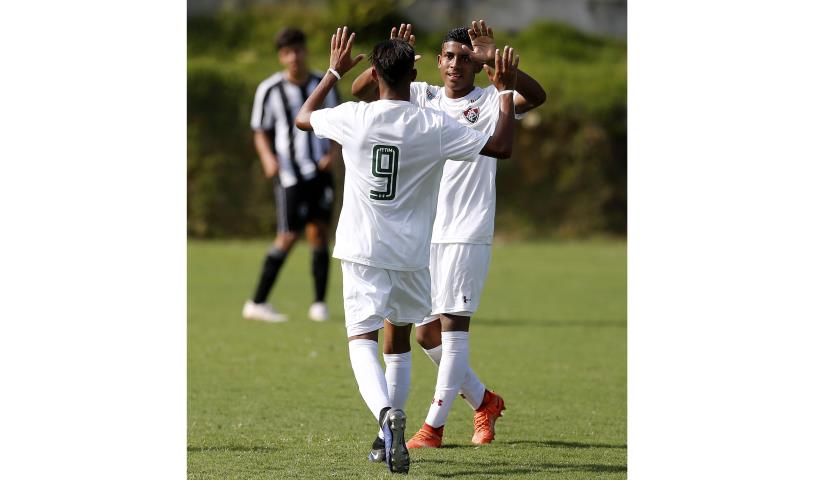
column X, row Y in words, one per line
column 394, row 153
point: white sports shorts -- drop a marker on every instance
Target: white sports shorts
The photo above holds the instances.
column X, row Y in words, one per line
column 372, row 294
column 458, row 273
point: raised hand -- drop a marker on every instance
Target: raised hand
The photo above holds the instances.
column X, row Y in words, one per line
column 504, row 74
column 341, row 45
column 404, row 33
column 482, row 41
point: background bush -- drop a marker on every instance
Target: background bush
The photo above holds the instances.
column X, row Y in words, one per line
column 567, row 177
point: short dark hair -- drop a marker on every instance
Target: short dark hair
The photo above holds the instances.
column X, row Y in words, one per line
column 459, row 35
column 289, row 37
column 393, row 60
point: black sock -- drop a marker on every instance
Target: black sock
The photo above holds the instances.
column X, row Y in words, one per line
column 319, row 269
column 273, row 262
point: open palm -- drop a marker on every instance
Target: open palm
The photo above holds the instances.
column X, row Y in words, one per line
column 482, row 41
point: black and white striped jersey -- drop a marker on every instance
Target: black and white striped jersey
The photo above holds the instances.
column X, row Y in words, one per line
column 276, row 104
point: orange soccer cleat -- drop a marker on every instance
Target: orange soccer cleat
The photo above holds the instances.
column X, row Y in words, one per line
column 427, row 437
column 486, row 416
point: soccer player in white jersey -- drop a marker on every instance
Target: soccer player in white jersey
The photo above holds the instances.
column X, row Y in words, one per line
column 463, row 228
column 394, row 154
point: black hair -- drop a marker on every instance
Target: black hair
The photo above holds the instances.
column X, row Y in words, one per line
column 393, row 60
column 459, row 35
column 289, row 37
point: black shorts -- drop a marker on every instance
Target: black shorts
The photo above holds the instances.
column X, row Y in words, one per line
column 304, row 202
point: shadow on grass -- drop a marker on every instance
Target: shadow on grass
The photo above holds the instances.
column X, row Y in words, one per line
column 557, row 444
column 232, row 448
column 506, row 468
column 552, row 323
column 526, row 468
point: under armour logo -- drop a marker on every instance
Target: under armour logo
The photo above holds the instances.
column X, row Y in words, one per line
column 438, row 401
column 466, row 299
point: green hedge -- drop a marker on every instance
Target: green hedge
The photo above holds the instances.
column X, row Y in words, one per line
column 568, row 174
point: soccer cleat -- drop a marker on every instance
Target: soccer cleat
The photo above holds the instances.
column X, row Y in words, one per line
column 318, row 312
column 486, row 416
column 377, row 453
column 263, row 312
column 396, row 452
column 427, row 437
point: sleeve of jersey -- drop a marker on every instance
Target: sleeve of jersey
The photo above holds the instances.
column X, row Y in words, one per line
column 260, row 115
column 332, row 122
column 460, row 143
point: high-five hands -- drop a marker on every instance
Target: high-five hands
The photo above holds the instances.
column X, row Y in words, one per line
column 341, row 45
column 404, row 32
column 504, row 74
column 482, row 41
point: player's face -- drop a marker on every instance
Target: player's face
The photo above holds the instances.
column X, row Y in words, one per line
column 294, row 58
column 457, row 69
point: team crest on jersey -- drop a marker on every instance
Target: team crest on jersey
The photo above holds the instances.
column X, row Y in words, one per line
column 429, row 94
column 471, row 114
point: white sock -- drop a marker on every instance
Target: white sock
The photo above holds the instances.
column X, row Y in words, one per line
column 454, row 363
column 369, row 375
column 472, row 389
column 398, row 375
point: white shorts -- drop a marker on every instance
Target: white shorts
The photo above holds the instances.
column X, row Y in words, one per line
column 458, row 273
column 372, row 294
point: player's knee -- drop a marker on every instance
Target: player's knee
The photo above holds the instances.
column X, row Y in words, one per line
column 285, row 241
column 317, row 235
column 427, row 337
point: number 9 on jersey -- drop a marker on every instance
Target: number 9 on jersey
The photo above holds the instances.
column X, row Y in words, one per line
column 385, row 165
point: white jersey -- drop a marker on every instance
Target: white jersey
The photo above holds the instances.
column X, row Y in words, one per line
column 394, row 154
column 468, row 194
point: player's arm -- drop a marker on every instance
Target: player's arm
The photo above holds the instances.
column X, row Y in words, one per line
column 504, row 77
column 530, row 93
column 365, row 87
column 341, row 61
column 267, row 157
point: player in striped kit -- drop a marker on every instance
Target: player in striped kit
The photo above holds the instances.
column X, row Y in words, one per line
column 299, row 164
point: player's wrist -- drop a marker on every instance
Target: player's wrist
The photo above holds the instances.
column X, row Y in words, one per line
column 334, row 72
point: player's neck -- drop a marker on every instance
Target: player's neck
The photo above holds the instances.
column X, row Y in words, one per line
column 455, row 94
column 300, row 78
column 386, row 92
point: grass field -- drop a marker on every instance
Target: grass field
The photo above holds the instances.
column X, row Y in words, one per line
column 280, row 401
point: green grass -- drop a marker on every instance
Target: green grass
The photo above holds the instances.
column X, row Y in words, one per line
column 280, row 401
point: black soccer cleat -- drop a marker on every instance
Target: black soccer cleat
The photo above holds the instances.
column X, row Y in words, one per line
column 397, row 454
column 377, row 454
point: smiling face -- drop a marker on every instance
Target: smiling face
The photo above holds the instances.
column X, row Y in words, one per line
column 457, row 69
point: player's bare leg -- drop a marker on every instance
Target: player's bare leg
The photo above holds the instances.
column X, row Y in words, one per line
column 258, row 307
column 316, row 233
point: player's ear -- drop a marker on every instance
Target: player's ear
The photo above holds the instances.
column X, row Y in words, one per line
column 478, row 68
column 438, row 61
column 414, row 75
column 375, row 74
